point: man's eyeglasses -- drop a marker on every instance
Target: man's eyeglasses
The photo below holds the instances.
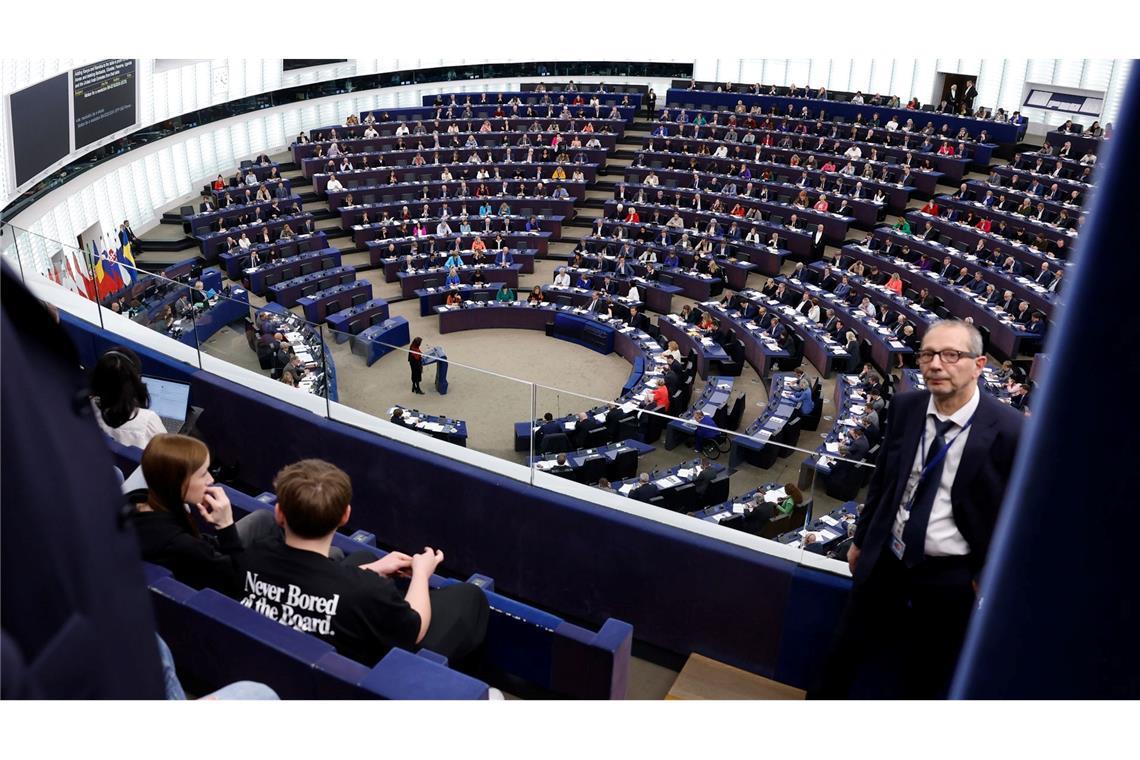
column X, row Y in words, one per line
column 947, row 355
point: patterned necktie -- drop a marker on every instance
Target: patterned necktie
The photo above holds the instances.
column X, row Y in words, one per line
column 914, row 533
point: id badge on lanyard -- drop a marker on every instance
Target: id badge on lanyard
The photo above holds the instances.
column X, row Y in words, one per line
column 898, row 546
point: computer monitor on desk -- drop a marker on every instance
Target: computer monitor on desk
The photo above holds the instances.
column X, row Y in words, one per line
column 170, row 400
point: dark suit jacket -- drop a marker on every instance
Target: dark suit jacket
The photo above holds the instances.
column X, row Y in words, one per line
column 644, row 492
column 701, row 482
column 979, row 485
column 583, row 429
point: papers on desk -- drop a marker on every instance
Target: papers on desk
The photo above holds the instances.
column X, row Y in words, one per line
column 670, row 480
column 896, row 344
column 568, row 426
column 624, row 490
column 832, row 447
column 849, row 422
column 857, row 409
column 776, row 496
column 738, row 509
column 546, row 464
column 627, row 407
column 829, row 520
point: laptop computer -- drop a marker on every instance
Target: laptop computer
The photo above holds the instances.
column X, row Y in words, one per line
column 170, row 400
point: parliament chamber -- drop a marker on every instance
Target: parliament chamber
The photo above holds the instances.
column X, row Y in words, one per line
column 661, row 316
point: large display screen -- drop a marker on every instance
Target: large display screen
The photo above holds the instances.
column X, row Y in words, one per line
column 40, row 133
column 105, row 101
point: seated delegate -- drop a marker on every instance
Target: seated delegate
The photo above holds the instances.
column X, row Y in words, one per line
column 121, row 399
column 355, row 604
column 176, row 469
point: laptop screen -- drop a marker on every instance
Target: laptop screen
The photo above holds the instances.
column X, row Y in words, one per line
column 168, row 399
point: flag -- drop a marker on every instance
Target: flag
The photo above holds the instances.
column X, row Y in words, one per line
column 107, row 279
column 79, row 272
column 53, row 268
column 115, row 254
column 128, row 257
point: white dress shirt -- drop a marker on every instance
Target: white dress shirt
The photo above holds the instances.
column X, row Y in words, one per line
column 562, row 280
column 942, row 536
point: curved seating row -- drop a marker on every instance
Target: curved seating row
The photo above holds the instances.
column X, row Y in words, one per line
column 234, row 261
column 1025, row 288
column 952, row 168
column 734, row 257
column 890, row 171
column 835, row 227
column 491, row 225
column 797, row 239
column 357, row 206
column 775, row 424
column 841, row 479
column 212, row 244
column 863, row 210
column 1007, row 338
column 885, row 346
column 308, row 342
column 613, row 461
column 873, row 131
column 714, row 404
column 897, row 198
column 1003, row 133
column 740, row 514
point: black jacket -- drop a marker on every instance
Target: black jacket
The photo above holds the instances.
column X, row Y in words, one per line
column 205, row 562
column 979, row 485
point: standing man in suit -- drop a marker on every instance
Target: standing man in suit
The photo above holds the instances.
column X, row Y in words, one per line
column 817, row 244
column 922, row 539
column 968, row 96
column 952, row 99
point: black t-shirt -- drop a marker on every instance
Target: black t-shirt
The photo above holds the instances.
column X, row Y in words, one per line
column 360, row 613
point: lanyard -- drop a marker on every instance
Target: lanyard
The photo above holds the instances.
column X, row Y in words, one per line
column 929, row 466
